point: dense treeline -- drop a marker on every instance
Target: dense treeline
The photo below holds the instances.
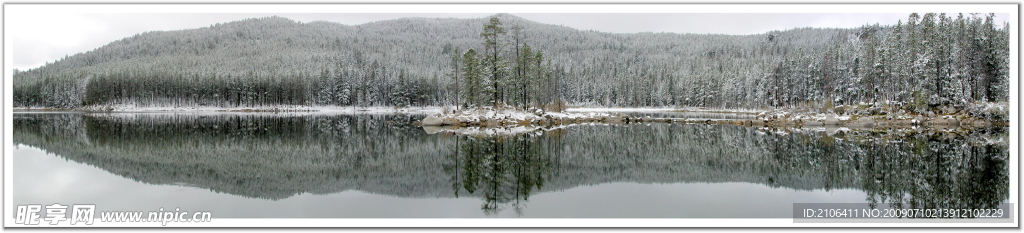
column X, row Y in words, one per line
column 930, row 60
column 374, row 85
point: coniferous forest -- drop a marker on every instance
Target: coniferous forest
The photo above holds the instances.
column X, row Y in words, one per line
column 927, row 61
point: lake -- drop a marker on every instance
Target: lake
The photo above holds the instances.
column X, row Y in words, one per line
column 300, row 165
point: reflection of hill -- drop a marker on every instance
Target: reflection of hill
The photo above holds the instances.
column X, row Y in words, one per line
column 254, row 156
column 265, row 156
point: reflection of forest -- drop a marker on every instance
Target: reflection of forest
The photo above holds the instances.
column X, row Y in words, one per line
column 274, row 157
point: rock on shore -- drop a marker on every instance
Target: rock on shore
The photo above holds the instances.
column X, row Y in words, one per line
column 489, row 117
column 431, row 121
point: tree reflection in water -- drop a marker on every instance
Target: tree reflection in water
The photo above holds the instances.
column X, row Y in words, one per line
column 505, row 169
column 275, row 156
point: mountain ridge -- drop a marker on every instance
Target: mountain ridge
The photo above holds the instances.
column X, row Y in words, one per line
column 278, row 22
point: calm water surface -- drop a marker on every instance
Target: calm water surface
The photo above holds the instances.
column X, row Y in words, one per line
column 379, row 166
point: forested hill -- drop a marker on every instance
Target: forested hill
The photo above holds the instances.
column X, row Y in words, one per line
column 410, row 61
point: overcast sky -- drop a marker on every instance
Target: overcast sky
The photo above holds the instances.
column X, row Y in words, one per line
column 41, row 37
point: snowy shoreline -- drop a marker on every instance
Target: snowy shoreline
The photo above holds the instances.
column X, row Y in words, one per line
column 866, row 117
column 353, row 109
column 268, row 109
column 674, row 109
column 863, row 116
column 428, row 110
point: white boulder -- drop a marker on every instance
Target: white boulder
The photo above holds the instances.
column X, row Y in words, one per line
column 830, row 120
column 431, row 121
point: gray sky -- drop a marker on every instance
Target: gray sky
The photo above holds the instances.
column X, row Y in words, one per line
column 41, row 37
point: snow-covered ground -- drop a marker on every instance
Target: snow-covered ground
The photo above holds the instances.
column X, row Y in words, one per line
column 508, row 116
column 620, row 109
column 663, row 109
